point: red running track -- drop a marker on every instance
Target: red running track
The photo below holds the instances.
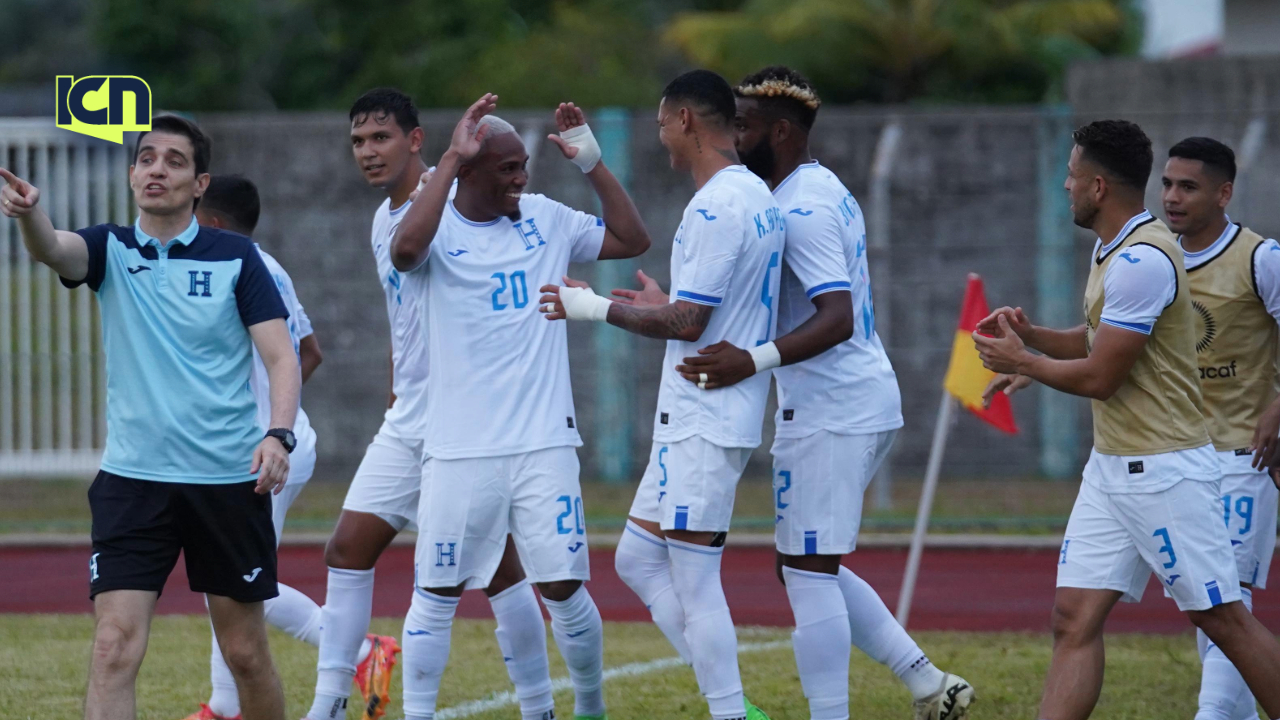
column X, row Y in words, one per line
column 984, row 590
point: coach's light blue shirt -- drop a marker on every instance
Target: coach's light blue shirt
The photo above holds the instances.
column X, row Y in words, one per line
column 179, row 356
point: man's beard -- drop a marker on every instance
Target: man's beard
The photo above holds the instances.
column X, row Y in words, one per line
column 760, row 159
column 1084, row 216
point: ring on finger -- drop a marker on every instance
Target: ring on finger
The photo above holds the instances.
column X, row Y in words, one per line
column 702, row 378
column 702, row 384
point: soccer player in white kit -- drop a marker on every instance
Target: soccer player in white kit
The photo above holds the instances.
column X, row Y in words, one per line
column 386, row 140
column 1234, row 278
column 724, row 281
column 839, row 408
column 501, row 431
column 231, row 203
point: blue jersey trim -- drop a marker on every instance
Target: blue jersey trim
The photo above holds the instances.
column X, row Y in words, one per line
column 494, row 221
column 646, row 538
column 1136, row 327
column 699, row 298
column 810, row 164
column 829, row 287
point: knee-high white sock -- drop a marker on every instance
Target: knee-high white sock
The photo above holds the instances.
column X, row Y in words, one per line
column 821, row 641
column 294, row 613
column 425, row 645
column 876, row 633
column 579, row 634
column 695, row 575
column 344, row 622
column 641, row 560
column 225, row 699
column 522, row 637
column 1223, row 692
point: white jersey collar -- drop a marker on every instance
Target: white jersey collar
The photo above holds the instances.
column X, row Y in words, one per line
column 1196, row 259
column 801, row 166
column 1134, row 222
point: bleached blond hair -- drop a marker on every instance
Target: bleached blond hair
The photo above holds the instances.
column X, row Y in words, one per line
column 783, row 87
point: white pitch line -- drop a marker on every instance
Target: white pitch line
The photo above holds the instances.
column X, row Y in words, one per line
column 501, row 700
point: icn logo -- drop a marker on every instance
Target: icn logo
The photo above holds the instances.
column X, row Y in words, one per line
column 103, row 106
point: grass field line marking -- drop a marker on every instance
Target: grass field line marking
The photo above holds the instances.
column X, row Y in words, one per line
column 501, row 700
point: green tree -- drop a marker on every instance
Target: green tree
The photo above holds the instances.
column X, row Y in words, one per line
column 901, row 50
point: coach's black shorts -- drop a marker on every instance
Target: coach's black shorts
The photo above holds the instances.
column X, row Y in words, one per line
column 139, row 527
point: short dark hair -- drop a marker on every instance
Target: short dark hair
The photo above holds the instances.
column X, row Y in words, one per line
column 390, row 102
column 705, row 89
column 174, row 125
column 235, row 198
column 1216, row 156
column 1120, row 147
column 783, row 92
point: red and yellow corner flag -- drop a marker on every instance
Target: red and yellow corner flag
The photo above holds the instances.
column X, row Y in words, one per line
column 966, row 377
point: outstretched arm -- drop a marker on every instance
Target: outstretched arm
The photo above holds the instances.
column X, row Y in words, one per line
column 625, row 234
column 413, row 237
column 680, row 320
column 644, row 312
column 65, row 252
column 1098, row 375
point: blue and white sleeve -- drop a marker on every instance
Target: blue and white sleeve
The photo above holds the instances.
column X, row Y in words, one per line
column 712, row 241
column 257, row 297
column 1139, row 285
column 95, row 241
column 1266, row 276
column 815, row 251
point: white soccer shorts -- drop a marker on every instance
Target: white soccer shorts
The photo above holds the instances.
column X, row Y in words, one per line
column 1249, row 503
column 302, row 464
column 469, row 506
column 1114, row 541
column 818, row 484
column 690, row 485
column 388, row 481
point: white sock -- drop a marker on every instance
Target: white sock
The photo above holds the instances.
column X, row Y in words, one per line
column 642, row 562
column 579, row 634
column 425, row 646
column 294, row 613
column 1223, row 692
column 344, row 622
column 821, row 641
column 522, row 637
column 225, row 699
column 695, row 575
column 876, row 633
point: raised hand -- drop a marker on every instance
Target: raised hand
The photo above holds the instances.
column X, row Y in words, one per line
column 19, row 197
column 468, row 136
column 426, row 177
column 1015, row 317
column 549, row 304
column 568, row 117
column 1003, row 350
column 648, row 294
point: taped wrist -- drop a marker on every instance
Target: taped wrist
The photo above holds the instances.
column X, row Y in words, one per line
column 584, row 304
column 766, row 356
column 582, row 138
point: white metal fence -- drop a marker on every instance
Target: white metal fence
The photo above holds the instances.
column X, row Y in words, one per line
column 52, row 378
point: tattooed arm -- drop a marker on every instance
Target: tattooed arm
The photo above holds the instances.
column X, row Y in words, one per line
column 679, row 320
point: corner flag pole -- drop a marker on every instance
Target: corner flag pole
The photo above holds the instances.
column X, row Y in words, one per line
column 934, row 468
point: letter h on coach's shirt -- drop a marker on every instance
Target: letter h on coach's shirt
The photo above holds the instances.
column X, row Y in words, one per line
column 178, row 353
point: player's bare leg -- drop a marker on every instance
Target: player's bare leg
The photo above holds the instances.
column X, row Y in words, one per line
column 242, row 633
column 1074, row 680
column 1248, row 645
column 122, row 626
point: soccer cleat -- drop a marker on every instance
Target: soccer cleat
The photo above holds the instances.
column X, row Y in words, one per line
column 753, row 712
column 374, row 676
column 950, row 702
column 204, row 713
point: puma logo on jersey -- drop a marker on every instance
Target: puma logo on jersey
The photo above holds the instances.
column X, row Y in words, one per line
column 707, row 215
column 456, row 253
column 253, row 575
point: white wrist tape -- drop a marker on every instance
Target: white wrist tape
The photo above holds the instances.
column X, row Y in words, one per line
column 582, row 138
column 584, row 304
column 766, row 356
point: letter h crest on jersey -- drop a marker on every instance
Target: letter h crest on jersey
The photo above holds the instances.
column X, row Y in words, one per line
column 531, row 232
column 446, row 551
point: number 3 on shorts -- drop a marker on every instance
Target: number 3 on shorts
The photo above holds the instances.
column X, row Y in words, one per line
column 572, row 506
column 1167, row 548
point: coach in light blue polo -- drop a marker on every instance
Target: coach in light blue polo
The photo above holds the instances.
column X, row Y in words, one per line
column 187, row 469
column 174, row 319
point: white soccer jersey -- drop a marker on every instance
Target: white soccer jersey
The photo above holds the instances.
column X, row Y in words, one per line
column 499, row 382
column 299, row 327
column 406, row 418
column 851, row 388
column 726, row 254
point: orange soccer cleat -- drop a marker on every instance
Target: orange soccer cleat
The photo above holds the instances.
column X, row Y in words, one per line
column 373, row 675
column 204, row 713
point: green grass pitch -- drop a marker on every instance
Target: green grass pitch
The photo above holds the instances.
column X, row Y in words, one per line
column 43, row 660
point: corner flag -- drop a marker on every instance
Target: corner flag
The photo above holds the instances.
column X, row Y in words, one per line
column 966, row 377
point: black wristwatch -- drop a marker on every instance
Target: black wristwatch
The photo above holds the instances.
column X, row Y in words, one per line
column 285, row 436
